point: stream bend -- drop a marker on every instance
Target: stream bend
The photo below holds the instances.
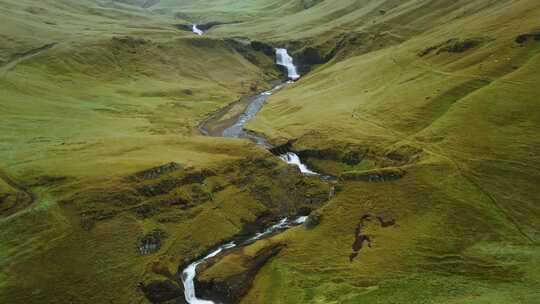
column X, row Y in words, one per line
column 236, row 130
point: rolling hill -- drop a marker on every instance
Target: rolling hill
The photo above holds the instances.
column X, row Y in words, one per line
column 425, row 112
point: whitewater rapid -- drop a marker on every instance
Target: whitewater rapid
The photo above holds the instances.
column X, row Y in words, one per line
column 293, row 159
column 237, row 130
column 196, row 30
column 190, row 272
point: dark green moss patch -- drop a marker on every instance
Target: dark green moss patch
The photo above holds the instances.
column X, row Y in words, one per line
column 163, row 291
column 151, row 242
column 373, row 176
column 453, row 45
column 157, row 171
column 523, row 38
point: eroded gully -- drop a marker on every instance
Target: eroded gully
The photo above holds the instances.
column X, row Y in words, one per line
column 235, row 129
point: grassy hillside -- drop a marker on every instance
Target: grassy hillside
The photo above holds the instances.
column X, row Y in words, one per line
column 86, row 102
column 461, row 121
column 426, row 111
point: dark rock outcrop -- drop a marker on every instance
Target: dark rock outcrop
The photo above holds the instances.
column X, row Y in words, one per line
column 453, row 45
column 313, row 220
column 158, row 171
column 151, row 242
column 183, row 27
column 349, row 157
column 89, row 218
column 163, row 291
column 233, row 287
column 146, row 210
column 373, row 176
column 523, row 38
column 311, row 56
column 402, row 155
column 353, row 158
column 324, row 154
column 263, row 221
column 460, row 46
column 359, row 237
column 166, row 185
column 263, row 47
column 386, row 223
column 282, row 149
column 197, row 176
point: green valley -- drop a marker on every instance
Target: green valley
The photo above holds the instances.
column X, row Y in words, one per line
column 131, row 148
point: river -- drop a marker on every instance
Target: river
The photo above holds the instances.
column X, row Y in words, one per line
column 236, row 130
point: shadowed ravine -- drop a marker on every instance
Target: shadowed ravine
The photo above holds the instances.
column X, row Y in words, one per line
column 235, row 129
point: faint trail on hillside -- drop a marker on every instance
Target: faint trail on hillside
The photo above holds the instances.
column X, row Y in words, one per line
column 470, row 179
column 463, row 173
column 491, row 198
column 489, row 81
column 31, row 197
column 20, row 57
column 432, row 69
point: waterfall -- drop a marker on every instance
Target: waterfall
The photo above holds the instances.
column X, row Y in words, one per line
column 189, row 273
column 196, row 30
column 293, row 159
column 283, row 59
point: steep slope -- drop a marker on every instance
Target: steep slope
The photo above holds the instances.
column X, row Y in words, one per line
column 442, row 91
column 454, row 107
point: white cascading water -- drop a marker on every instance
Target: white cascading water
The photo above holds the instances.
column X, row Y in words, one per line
column 293, row 159
column 283, row 224
column 283, row 59
column 189, row 273
column 196, row 30
column 301, row 219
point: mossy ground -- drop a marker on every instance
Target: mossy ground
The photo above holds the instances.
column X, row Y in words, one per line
column 79, row 118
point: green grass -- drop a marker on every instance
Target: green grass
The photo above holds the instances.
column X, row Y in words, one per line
column 79, row 117
column 474, row 115
column 94, row 110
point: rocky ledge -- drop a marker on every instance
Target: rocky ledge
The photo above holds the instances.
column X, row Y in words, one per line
column 165, row 291
column 227, row 278
column 374, row 176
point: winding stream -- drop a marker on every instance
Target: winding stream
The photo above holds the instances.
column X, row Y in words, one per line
column 236, row 130
column 189, row 273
